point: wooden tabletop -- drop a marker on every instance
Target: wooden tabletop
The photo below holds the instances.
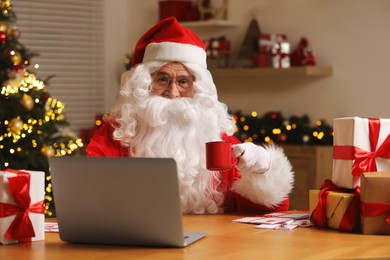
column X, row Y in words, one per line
column 225, row 240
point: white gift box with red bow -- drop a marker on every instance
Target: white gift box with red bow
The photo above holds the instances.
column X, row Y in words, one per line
column 359, row 145
column 22, row 216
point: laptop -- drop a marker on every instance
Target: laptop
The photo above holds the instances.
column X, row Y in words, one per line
column 119, row 201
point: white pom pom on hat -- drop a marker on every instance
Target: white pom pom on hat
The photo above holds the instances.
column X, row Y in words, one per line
column 168, row 40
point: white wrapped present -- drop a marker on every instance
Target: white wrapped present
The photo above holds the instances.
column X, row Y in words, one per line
column 22, row 216
column 360, row 145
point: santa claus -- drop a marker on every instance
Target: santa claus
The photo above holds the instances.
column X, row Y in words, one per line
column 168, row 107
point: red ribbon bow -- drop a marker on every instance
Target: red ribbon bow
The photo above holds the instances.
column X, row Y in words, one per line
column 349, row 222
column 374, row 209
column 21, row 227
column 364, row 161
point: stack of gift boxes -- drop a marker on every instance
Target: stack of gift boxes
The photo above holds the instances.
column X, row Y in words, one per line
column 218, row 51
column 357, row 199
column 274, row 50
column 21, row 206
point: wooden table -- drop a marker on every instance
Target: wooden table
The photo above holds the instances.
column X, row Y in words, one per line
column 225, row 240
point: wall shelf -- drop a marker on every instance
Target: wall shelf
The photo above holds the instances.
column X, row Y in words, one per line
column 271, row 72
column 208, row 23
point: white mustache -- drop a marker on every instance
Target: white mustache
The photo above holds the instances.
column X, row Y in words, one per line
column 158, row 111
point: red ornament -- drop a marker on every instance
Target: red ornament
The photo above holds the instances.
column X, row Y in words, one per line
column 3, row 37
column 45, row 96
column 282, row 138
column 17, row 68
column 273, row 115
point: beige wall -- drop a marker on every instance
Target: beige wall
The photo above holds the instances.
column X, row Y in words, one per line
column 352, row 36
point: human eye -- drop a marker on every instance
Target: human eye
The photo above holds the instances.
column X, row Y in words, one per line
column 185, row 82
column 162, row 80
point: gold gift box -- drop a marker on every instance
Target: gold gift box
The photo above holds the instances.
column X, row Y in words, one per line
column 375, row 187
column 336, row 206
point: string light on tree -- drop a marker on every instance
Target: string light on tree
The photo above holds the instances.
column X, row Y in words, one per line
column 5, row 5
column 27, row 102
column 16, row 58
column 15, row 125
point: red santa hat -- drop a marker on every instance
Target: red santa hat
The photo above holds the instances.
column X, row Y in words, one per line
column 169, row 41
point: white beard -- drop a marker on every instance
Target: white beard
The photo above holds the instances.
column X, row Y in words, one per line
column 179, row 129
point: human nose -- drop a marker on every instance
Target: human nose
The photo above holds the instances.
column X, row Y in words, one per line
column 172, row 90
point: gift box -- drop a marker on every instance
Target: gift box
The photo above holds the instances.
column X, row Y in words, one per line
column 375, row 203
column 266, row 41
column 175, row 8
column 360, row 145
column 280, row 55
column 278, row 49
column 216, row 47
column 261, row 60
column 218, row 52
column 21, row 206
column 336, row 206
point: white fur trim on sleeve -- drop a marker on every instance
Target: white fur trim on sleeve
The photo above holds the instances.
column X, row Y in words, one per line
column 268, row 189
column 173, row 51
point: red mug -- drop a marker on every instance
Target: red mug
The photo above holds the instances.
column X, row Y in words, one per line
column 219, row 156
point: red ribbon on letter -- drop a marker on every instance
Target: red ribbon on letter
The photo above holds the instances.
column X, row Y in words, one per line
column 21, row 227
column 364, row 161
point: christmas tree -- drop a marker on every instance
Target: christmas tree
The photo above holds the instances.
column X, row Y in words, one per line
column 33, row 125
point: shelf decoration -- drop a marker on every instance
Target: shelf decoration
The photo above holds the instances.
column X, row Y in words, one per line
column 218, row 51
column 273, row 127
column 196, row 10
column 208, row 11
column 303, row 55
column 181, row 10
column 273, row 51
column 249, row 47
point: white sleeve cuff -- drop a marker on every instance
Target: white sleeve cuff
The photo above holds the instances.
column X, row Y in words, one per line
column 272, row 187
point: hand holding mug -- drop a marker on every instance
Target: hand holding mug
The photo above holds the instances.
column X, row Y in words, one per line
column 253, row 158
column 219, row 156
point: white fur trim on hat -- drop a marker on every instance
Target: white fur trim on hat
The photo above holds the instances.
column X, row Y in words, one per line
column 172, row 51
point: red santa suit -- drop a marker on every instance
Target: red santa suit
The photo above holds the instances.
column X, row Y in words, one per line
column 137, row 126
column 103, row 144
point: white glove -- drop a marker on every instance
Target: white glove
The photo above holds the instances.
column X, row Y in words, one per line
column 251, row 158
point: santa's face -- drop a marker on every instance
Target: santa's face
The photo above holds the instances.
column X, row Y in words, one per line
column 173, row 80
